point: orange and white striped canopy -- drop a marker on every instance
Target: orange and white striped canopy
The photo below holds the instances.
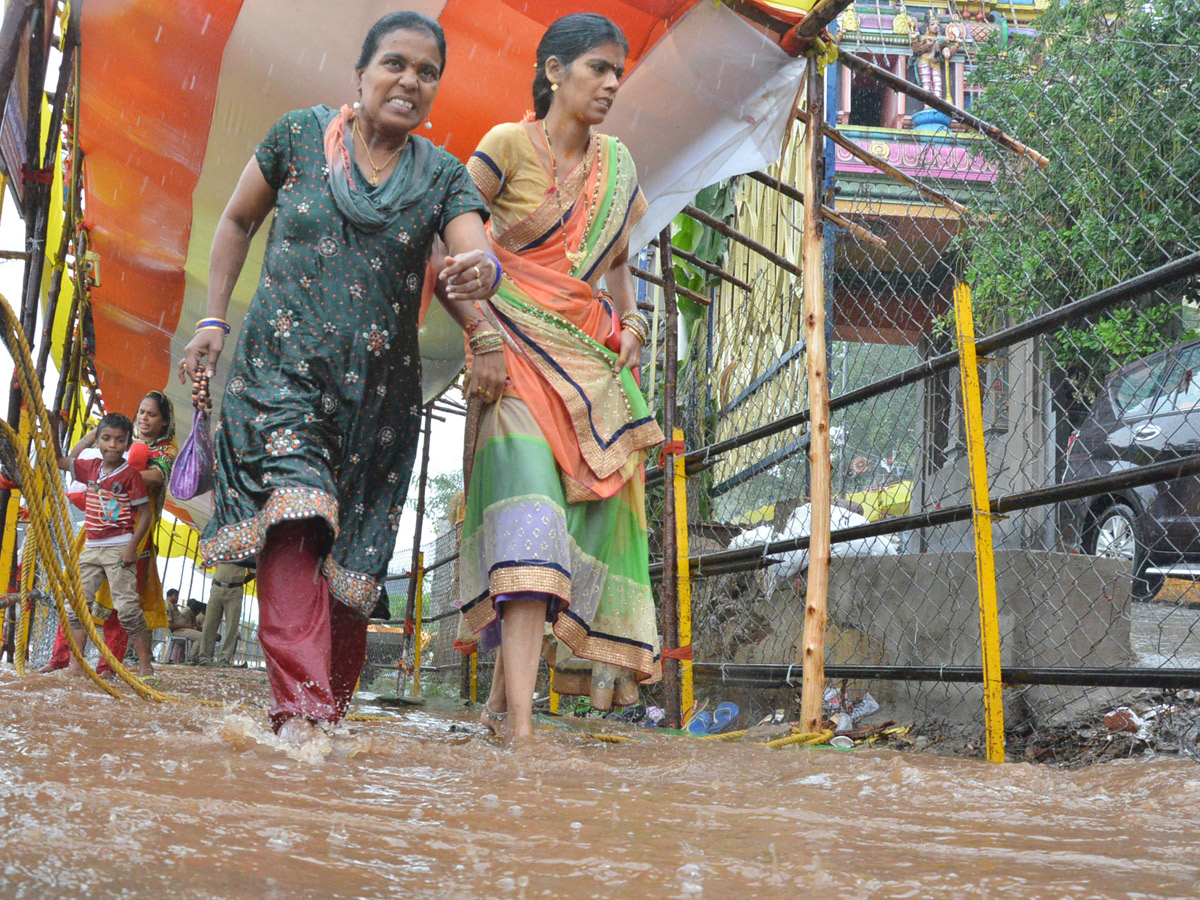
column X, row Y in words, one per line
column 174, row 98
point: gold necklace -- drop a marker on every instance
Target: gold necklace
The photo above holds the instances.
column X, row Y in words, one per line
column 374, row 177
column 575, row 257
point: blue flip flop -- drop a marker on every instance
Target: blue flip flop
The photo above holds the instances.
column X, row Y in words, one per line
column 701, row 723
column 723, row 716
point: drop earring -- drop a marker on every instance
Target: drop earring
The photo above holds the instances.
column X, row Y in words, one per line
column 356, row 105
column 554, row 85
column 428, row 124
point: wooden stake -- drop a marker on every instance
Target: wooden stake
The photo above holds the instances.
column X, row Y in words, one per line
column 820, row 469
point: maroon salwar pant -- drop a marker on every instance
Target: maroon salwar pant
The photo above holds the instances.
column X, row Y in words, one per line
column 315, row 646
column 115, row 637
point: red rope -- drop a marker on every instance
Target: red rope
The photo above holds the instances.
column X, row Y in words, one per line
column 675, row 448
column 680, row 653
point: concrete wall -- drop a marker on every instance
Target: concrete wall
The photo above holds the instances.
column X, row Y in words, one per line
column 1055, row 609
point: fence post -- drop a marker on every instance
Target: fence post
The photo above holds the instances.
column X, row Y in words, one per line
column 684, row 588
column 419, row 577
column 415, row 568
column 670, row 573
column 820, row 471
column 474, row 677
column 985, row 563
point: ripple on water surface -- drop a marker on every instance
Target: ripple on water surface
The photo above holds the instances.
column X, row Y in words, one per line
column 103, row 799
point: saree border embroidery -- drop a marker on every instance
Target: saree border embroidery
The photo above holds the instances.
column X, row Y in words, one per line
column 617, row 651
column 540, row 225
column 603, row 455
column 507, row 578
column 245, row 538
column 359, row 592
column 486, row 175
column 634, row 212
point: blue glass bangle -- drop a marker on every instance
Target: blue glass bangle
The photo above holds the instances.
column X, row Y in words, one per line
column 213, row 323
column 499, row 271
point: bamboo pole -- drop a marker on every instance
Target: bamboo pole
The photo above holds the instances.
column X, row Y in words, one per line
column 820, row 469
column 414, row 578
column 885, row 167
column 37, row 195
column 894, row 81
column 17, row 17
column 833, row 216
column 708, row 267
column 819, row 17
column 733, row 234
column 985, row 561
column 651, row 278
column 670, row 549
column 67, row 72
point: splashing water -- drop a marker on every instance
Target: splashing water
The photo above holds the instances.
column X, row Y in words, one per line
column 102, row 798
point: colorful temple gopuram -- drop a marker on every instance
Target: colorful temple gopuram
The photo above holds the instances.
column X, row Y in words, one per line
column 936, row 47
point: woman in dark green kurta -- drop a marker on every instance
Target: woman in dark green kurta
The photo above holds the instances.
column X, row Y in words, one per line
column 320, row 416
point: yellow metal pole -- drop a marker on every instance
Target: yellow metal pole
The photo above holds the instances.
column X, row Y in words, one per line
column 474, row 677
column 417, row 625
column 684, row 587
column 555, row 699
column 985, row 562
column 9, row 543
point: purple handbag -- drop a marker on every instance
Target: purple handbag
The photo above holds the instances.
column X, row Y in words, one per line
column 193, row 471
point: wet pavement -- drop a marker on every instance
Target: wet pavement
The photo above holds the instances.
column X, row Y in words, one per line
column 104, row 799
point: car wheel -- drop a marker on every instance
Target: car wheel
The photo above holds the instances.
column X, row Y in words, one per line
column 1117, row 535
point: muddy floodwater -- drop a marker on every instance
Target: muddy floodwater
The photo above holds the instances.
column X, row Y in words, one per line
column 107, row 799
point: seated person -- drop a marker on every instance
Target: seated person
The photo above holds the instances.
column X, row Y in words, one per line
column 182, row 624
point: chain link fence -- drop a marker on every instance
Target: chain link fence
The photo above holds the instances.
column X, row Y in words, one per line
column 1101, row 582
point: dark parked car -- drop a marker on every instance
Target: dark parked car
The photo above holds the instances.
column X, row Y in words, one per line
column 1148, row 412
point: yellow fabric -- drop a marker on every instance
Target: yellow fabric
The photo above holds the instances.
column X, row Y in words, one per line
column 525, row 183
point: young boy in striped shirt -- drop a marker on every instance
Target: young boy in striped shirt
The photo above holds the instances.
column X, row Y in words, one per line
column 117, row 518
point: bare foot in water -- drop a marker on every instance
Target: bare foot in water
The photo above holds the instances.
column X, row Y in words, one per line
column 47, row 669
column 493, row 721
column 296, row 731
column 520, row 734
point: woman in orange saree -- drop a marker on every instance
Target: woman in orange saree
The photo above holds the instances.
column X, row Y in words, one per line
column 555, row 527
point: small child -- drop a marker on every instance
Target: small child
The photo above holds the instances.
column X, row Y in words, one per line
column 114, row 491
